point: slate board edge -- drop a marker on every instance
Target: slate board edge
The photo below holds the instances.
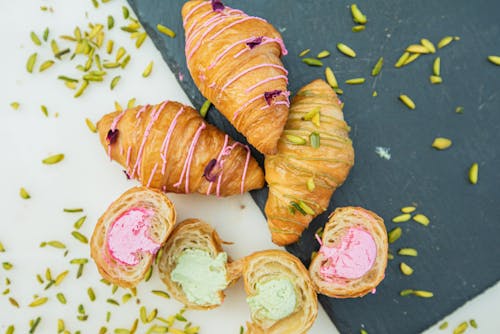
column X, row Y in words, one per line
column 257, row 194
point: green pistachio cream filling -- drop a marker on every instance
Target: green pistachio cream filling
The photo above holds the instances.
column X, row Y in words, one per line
column 275, row 299
column 201, row 276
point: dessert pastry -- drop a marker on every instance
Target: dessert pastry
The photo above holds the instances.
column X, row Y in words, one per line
column 170, row 147
column 314, row 158
column 129, row 234
column 280, row 293
column 353, row 255
column 234, row 60
column 194, row 267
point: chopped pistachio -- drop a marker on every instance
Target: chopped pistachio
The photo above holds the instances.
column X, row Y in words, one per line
column 165, row 30
column 401, row 218
column 24, row 193
column 473, row 173
column 312, row 62
column 408, row 252
column 441, row 143
column 406, row 269
column 421, row 219
column 304, row 52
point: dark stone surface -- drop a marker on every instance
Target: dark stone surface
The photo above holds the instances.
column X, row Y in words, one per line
column 459, row 251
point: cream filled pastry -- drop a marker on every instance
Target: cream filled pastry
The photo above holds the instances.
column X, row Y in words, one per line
column 280, row 294
column 201, row 276
column 130, row 233
column 353, row 255
column 194, row 267
column 129, row 236
column 352, row 258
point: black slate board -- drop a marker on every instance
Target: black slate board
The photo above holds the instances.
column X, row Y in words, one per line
column 459, row 251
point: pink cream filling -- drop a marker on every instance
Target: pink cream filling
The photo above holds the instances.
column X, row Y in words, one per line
column 128, row 236
column 352, row 258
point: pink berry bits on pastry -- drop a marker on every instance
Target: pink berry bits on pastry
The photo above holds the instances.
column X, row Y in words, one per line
column 353, row 255
column 130, row 233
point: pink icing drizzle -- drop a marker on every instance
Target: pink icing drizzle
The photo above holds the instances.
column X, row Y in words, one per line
column 223, row 154
column 226, row 139
column 189, row 157
column 166, row 141
column 127, row 236
column 250, row 69
column 249, row 89
column 352, row 258
column 152, row 174
column 229, row 26
column 191, row 12
column 128, row 157
column 154, row 116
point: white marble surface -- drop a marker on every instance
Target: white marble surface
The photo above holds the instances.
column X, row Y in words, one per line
column 87, row 179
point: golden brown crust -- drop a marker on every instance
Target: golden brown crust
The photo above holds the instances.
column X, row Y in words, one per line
column 340, row 221
column 218, row 59
column 142, row 146
column 162, row 224
column 273, row 264
column 288, row 172
column 191, row 234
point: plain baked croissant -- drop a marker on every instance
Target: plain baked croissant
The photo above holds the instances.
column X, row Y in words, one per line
column 129, row 234
column 353, row 255
column 170, row 147
column 193, row 235
column 279, row 292
column 234, row 60
column 314, row 158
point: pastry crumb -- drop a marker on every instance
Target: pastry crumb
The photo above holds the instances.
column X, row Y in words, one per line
column 383, row 152
column 242, row 206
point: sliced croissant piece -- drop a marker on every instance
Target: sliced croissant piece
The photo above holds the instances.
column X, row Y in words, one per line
column 314, row 158
column 279, row 292
column 234, row 60
column 353, row 255
column 129, row 234
column 170, row 147
column 194, row 266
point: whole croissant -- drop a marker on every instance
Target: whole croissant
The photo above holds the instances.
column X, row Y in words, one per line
column 234, row 60
column 314, row 158
column 170, row 147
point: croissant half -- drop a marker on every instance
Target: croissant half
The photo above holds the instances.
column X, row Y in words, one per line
column 234, row 60
column 280, row 293
column 129, row 234
column 170, row 147
column 193, row 235
column 314, row 158
column 353, row 255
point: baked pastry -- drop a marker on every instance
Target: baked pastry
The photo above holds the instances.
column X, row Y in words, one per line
column 129, row 234
column 234, row 60
column 353, row 255
column 280, row 293
column 194, row 266
column 170, row 147
column 314, row 158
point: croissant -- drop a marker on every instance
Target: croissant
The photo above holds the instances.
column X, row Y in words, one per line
column 234, row 60
column 170, row 147
column 129, row 234
column 314, row 158
column 194, row 267
column 353, row 255
column 280, row 293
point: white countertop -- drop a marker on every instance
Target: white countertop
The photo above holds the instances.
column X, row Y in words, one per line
column 86, row 178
